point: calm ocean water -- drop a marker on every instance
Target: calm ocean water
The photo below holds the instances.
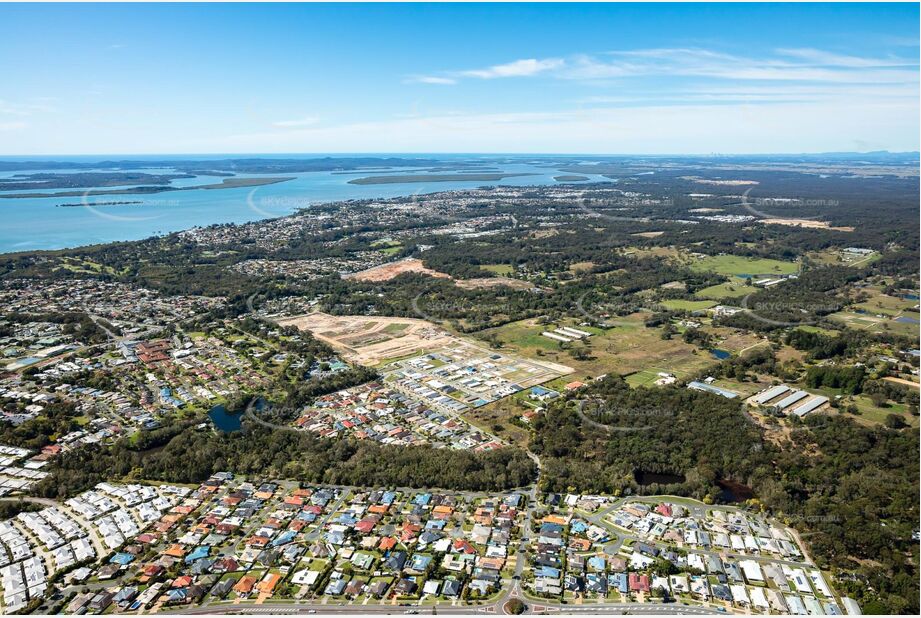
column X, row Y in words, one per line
column 39, row 223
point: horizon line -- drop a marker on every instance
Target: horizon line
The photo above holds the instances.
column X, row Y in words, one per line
column 465, row 153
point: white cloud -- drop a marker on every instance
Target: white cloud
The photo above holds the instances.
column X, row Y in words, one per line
column 823, row 58
column 800, row 65
column 13, row 126
column 303, row 122
column 519, row 68
column 429, row 79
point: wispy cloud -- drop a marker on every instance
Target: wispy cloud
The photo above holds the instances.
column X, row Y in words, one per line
column 302, row 122
column 13, row 126
column 518, row 68
column 790, row 65
column 823, row 58
column 431, row 79
column 28, row 108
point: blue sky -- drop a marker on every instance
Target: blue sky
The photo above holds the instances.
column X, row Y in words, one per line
column 540, row 78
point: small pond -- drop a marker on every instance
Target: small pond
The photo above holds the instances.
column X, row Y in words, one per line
column 224, row 420
column 662, row 478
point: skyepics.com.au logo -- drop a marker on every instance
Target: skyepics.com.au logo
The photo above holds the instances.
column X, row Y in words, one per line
column 619, row 209
column 437, row 310
column 607, row 313
column 274, row 206
column 786, row 312
column 607, row 416
column 760, row 206
column 126, row 210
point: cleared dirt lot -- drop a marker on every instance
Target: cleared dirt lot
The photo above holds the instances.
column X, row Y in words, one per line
column 378, row 340
column 809, row 223
column 902, row 381
column 493, row 282
column 386, row 272
column 372, row 340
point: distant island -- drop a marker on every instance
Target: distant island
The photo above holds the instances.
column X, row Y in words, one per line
column 94, row 204
column 383, row 180
column 570, row 178
column 77, row 180
column 227, row 183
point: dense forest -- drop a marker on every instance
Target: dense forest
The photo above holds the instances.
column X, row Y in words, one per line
column 701, row 437
column 854, row 491
column 179, row 454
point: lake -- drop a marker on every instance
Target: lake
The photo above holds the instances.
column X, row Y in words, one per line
column 39, row 223
column 720, row 354
column 224, row 420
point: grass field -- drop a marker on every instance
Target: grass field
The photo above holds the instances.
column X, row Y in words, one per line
column 817, row 330
column 872, row 414
column 888, row 305
column 646, row 377
column 837, row 257
column 687, row 305
column 80, row 265
column 723, row 291
column 735, row 265
column 498, row 269
column 628, row 347
column 500, row 417
column 868, row 322
column 580, row 267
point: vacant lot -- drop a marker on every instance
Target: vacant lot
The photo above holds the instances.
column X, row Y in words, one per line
column 869, row 322
column 626, row 348
column 723, row 291
column 372, row 340
column 386, row 272
column 687, row 305
column 498, row 269
column 735, row 265
column 493, row 282
column 887, row 305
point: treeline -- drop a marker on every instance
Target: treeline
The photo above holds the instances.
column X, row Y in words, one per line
column 855, row 491
column 848, row 342
column 701, row 437
column 57, row 419
column 848, row 378
column 181, row 455
column 760, row 360
column 12, row 507
column 301, row 392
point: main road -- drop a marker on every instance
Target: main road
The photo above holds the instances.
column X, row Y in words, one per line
column 542, row 607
